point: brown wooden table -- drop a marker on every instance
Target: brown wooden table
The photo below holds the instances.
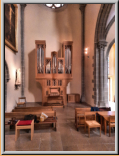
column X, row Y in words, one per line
column 105, row 115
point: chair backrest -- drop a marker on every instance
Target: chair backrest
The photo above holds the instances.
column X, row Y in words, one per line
column 90, row 115
column 104, row 108
column 83, row 109
column 22, row 99
column 112, row 119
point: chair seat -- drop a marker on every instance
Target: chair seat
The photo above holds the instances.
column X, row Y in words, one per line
column 93, row 123
column 112, row 124
column 24, row 122
column 21, row 103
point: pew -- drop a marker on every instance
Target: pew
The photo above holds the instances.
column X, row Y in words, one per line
column 44, row 107
column 20, row 116
column 33, row 109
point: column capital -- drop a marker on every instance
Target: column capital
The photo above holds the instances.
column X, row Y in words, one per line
column 102, row 44
column 23, row 5
column 82, row 7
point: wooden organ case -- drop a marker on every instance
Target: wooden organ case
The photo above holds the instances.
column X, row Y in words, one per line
column 53, row 73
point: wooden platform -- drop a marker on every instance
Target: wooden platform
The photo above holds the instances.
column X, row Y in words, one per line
column 54, row 104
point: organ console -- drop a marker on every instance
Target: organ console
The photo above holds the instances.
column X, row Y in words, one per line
column 53, row 73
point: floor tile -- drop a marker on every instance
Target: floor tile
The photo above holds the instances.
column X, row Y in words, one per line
column 70, row 148
column 110, row 147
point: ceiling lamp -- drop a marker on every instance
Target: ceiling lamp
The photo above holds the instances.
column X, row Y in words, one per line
column 48, row 5
column 54, row 6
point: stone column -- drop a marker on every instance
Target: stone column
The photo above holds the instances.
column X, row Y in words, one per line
column 22, row 50
column 82, row 8
column 101, row 48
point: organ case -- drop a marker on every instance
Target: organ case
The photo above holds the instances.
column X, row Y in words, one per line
column 53, row 73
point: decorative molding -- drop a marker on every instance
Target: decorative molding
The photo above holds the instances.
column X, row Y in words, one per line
column 101, row 44
column 109, row 26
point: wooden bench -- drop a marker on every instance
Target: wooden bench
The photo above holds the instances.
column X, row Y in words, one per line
column 32, row 109
column 20, row 116
column 45, row 107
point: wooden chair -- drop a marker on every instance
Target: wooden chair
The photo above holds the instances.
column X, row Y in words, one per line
column 21, row 101
column 24, row 124
column 90, row 121
column 111, row 123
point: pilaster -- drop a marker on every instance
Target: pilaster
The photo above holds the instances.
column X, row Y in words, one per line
column 82, row 9
column 101, row 47
column 22, row 50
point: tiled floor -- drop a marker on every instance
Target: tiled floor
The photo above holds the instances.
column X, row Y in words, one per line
column 66, row 138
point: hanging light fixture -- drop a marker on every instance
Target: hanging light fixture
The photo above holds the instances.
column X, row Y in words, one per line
column 49, row 5
column 54, row 6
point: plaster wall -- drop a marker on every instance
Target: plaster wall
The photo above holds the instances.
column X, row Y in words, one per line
column 14, row 63
column 41, row 23
column 111, row 14
column 110, row 36
column 91, row 15
column 112, row 70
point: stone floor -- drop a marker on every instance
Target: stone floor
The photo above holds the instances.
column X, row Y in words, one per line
column 65, row 139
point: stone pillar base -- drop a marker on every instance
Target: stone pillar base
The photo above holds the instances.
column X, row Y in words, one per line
column 101, row 104
column 82, row 98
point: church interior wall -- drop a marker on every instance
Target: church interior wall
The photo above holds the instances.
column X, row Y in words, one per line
column 41, row 23
column 91, row 15
column 14, row 62
column 112, row 70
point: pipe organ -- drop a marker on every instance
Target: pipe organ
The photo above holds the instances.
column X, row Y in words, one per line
column 53, row 73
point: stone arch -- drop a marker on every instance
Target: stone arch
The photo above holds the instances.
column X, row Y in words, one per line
column 109, row 26
column 101, row 22
column 7, row 78
column 101, row 31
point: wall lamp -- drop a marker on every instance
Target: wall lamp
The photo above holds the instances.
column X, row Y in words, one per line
column 17, row 78
column 86, row 51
